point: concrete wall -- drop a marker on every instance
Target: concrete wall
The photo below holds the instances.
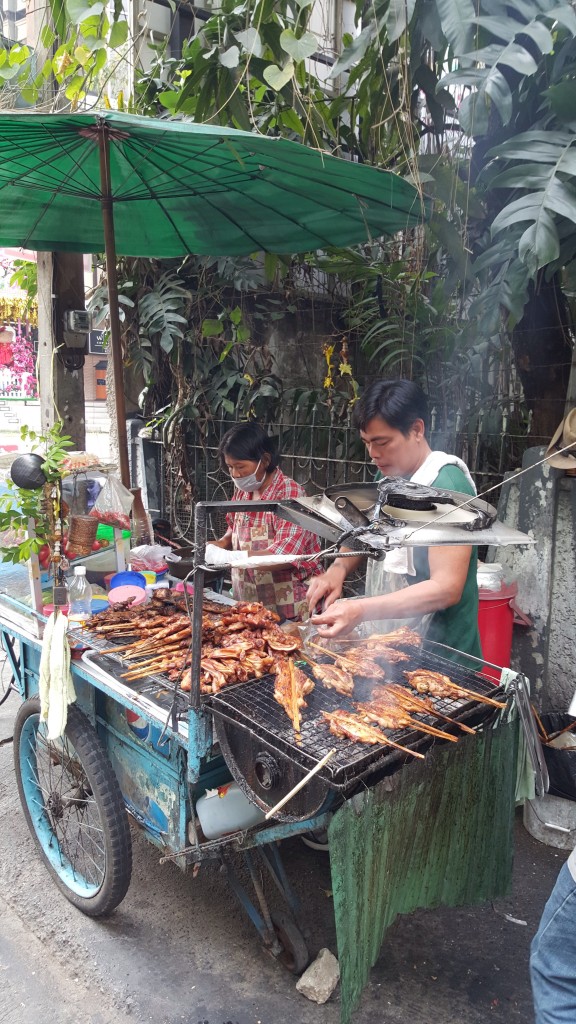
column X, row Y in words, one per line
column 542, row 503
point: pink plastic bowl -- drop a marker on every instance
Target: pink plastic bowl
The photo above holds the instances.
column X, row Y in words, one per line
column 134, row 595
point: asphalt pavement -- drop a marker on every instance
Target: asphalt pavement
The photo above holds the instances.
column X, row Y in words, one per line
column 180, row 949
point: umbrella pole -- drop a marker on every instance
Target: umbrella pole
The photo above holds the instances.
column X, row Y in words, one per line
column 112, row 279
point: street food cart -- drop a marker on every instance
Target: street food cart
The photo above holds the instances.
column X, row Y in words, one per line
column 422, row 817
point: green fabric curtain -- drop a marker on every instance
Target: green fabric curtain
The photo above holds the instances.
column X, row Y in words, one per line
column 436, row 833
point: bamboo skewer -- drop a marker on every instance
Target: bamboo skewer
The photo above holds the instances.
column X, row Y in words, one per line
column 477, row 696
column 375, row 712
column 420, row 706
column 543, row 734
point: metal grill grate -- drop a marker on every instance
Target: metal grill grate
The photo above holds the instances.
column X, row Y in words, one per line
column 252, row 706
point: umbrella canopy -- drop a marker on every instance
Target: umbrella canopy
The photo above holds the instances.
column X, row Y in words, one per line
column 139, row 186
column 179, row 187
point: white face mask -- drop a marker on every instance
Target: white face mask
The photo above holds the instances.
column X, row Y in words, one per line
column 250, row 482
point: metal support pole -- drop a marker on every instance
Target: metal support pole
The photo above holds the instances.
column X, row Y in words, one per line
column 200, row 520
column 112, row 278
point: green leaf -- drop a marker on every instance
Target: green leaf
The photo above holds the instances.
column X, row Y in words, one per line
column 250, row 41
column 398, row 17
column 7, row 73
column 456, row 18
column 289, row 118
column 277, row 77
column 118, row 34
column 168, row 99
column 539, row 244
column 58, row 12
column 80, row 10
column 299, row 48
column 230, row 58
column 562, row 99
column 353, row 53
column 565, row 15
column 47, row 36
column 212, row 328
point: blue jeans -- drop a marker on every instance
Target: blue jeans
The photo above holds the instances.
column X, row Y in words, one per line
column 553, row 956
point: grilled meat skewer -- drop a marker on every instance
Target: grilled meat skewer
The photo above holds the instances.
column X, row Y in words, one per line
column 390, row 715
column 344, row 723
column 421, row 705
column 439, row 685
column 334, row 677
column 290, row 688
column 359, row 663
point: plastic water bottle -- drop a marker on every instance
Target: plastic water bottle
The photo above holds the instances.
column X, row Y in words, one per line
column 79, row 596
column 225, row 810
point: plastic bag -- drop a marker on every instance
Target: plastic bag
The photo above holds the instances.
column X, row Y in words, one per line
column 561, row 764
column 149, row 556
column 113, row 504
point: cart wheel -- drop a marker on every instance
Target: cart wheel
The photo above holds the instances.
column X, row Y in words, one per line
column 294, row 956
column 74, row 809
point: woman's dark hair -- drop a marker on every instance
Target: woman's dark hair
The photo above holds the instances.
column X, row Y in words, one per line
column 398, row 402
column 247, row 441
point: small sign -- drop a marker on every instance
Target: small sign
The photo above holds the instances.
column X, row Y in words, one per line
column 96, row 344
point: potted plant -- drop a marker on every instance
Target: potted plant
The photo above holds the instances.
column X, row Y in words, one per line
column 34, row 493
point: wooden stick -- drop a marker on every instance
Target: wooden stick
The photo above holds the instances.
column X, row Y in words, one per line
column 294, row 697
column 337, row 657
column 419, row 726
column 543, row 734
column 381, row 736
column 479, row 696
column 567, row 728
column 300, row 785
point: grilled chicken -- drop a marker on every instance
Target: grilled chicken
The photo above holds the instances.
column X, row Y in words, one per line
column 350, row 726
column 382, row 651
column 334, row 677
column 344, row 723
column 404, row 636
column 290, row 688
column 422, row 705
column 439, row 685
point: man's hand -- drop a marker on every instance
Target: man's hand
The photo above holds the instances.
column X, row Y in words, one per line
column 340, row 618
column 327, row 587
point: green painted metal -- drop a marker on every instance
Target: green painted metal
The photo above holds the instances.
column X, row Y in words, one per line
column 179, row 187
column 439, row 832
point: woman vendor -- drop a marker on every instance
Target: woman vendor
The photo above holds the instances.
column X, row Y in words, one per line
column 437, row 584
column 248, row 455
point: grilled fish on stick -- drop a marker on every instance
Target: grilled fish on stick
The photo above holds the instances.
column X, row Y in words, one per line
column 334, row 677
column 439, row 685
column 290, row 688
column 421, row 705
column 351, row 726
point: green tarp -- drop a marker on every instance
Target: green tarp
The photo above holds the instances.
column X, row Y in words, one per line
column 437, row 832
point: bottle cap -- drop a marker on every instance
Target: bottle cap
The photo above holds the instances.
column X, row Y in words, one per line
column 79, row 570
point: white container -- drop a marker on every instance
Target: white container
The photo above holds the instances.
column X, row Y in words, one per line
column 225, row 810
column 551, row 820
column 489, row 576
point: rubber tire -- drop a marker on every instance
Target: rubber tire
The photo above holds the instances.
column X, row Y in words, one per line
column 101, row 896
column 295, row 956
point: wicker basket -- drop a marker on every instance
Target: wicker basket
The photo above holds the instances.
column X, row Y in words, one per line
column 82, row 534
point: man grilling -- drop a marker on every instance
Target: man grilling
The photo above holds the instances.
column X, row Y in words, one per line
column 437, row 584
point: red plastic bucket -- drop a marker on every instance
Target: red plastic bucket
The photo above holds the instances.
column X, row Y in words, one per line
column 495, row 622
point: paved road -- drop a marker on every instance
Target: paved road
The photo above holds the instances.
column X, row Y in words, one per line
column 180, row 950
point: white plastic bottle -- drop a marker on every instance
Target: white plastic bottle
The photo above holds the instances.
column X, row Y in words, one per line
column 226, row 809
column 79, row 596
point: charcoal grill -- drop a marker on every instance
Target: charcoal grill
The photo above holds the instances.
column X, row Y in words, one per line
column 267, row 760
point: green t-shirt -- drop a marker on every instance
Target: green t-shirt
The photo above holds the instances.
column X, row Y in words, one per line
column 456, row 626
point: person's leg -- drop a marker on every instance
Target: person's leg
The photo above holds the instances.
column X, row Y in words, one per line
column 553, row 956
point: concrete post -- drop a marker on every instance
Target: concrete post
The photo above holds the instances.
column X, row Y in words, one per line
column 543, row 504
column 60, row 288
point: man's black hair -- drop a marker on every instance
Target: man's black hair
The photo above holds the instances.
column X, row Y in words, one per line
column 249, row 442
column 398, row 402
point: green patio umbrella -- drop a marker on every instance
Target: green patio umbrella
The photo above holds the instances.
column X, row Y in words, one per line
column 139, row 186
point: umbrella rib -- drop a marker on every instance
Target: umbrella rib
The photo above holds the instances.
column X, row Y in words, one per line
column 176, row 169
column 164, row 210
column 137, row 145
column 60, row 148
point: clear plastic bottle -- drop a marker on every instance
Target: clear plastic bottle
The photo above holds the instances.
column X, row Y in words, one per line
column 79, row 596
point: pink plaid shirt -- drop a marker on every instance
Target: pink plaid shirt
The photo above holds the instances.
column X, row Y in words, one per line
column 283, row 589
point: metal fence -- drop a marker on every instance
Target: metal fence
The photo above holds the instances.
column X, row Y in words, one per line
column 318, row 455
